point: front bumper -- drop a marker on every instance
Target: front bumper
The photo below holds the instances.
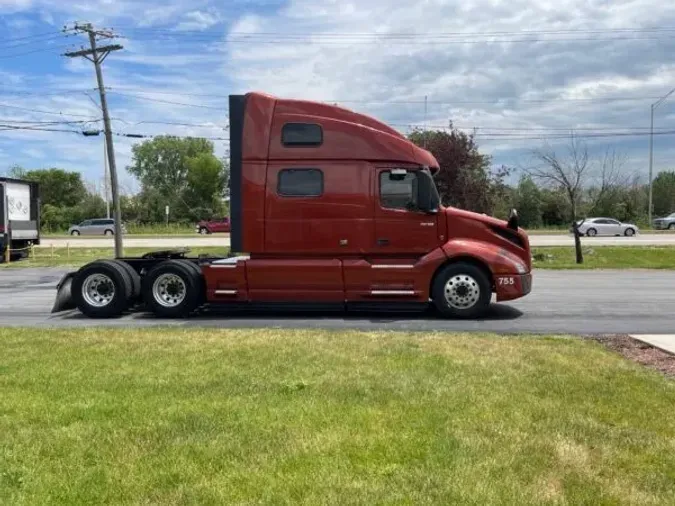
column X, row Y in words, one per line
column 512, row 286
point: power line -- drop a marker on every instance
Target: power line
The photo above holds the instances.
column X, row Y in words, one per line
column 411, row 101
column 41, row 50
column 45, row 93
column 35, row 35
column 57, row 35
column 40, row 111
column 417, row 34
column 164, row 101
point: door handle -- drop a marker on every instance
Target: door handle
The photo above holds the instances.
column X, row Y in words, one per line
column 427, row 224
column 383, row 242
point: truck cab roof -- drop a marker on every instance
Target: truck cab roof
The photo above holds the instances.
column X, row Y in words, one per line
column 272, row 128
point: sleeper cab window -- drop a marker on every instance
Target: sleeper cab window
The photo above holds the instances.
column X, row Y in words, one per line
column 398, row 191
column 300, row 183
column 301, row 135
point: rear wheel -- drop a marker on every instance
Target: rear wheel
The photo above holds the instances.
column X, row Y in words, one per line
column 203, row 231
column 591, row 232
column 133, row 276
column 102, row 289
column 173, row 289
column 461, row 290
column 671, row 226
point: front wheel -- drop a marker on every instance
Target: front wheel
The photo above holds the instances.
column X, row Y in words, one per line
column 671, row 226
column 75, row 233
column 630, row 232
column 461, row 290
column 108, row 232
column 591, row 232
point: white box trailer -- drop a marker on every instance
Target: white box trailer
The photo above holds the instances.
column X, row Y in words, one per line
column 19, row 216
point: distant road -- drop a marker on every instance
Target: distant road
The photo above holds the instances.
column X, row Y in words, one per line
column 224, row 241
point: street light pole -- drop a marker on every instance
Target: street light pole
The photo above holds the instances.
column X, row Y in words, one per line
column 651, row 148
column 651, row 162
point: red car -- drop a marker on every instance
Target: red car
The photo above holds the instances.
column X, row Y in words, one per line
column 215, row 226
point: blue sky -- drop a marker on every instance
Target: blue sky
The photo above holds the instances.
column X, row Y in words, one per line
column 521, row 72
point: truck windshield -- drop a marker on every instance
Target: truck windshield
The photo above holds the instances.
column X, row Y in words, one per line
column 435, row 188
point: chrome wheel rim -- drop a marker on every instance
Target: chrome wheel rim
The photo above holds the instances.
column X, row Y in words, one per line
column 462, row 291
column 98, row 290
column 169, row 290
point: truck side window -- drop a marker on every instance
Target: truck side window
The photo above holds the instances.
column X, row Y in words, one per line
column 398, row 192
column 301, row 134
column 300, row 183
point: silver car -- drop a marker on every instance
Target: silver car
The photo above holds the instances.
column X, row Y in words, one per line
column 606, row 226
column 665, row 223
column 102, row 226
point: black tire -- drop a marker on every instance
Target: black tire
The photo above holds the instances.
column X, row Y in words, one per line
column 74, row 232
column 121, row 282
column 471, row 278
column 191, row 281
column 108, row 232
column 671, row 226
column 630, row 232
column 204, row 231
column 134, row 277
column 591, row 232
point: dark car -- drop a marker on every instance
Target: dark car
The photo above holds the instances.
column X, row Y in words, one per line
column 214, row 226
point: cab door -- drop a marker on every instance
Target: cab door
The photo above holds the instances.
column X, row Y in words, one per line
column 399, row 228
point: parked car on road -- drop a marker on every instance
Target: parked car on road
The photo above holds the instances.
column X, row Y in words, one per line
column 606, row 226
column 665, row 223
column 102, row 226
column 214, row 226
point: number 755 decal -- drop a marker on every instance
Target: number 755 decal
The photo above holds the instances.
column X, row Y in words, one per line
column 507, row 281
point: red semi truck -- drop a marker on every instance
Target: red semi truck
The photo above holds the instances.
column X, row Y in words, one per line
column 329, row 209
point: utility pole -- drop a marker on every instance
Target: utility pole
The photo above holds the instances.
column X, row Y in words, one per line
column 651, row 148
column 425, row 121
column 106, row 179
column 96, row 55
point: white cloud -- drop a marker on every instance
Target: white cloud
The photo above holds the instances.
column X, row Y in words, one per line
column 198, row 20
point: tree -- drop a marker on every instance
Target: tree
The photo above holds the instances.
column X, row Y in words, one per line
column 58, row 187
column 663, row 193
column 574, row 173
column 529, row 203
column 182, row 173
column 464, row 179
column 205, row 186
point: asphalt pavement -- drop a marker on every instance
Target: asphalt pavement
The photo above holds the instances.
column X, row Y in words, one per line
column 579, row 302
column 224, row 241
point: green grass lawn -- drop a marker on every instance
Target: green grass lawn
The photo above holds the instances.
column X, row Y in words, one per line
column 171, row 416
column 605, row 257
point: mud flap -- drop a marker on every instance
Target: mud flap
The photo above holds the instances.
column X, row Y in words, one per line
column 64, row 298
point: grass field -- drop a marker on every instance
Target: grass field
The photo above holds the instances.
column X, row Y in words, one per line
column 606, row 257
column 306, row 417
column 553, row 257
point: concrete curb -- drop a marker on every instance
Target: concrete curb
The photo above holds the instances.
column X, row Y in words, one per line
column 664, row 342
